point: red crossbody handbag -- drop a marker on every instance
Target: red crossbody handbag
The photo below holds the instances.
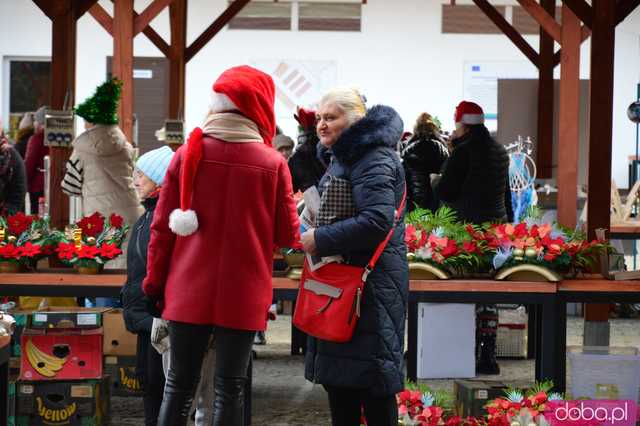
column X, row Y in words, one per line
column 328, row 303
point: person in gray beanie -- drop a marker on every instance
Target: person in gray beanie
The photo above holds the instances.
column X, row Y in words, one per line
column 284, row 145
column 34, row 160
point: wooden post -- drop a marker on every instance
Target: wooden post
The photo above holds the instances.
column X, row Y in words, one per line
column 123, row 61
column 600, row 140
column 177, row 60
column 601, row 123
column 569, row 119
column 63, row 77
column 544, row 148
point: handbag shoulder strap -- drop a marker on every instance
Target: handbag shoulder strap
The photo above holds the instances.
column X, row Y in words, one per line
column 383, row 244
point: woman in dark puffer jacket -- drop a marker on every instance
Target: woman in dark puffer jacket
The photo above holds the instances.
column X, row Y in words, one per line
column 423, row 155
column 366, row 372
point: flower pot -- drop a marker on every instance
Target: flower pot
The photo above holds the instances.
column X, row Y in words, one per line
column 425, row 271
column 89, row 270
column 8, row 267
column 295, row 260
column 527, row 272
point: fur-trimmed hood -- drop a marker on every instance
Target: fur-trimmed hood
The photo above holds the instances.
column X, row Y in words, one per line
column 382, row 126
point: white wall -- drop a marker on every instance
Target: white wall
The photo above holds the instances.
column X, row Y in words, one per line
column 400, row 58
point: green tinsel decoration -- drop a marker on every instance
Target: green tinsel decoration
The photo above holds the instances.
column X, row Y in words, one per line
column 102, row 107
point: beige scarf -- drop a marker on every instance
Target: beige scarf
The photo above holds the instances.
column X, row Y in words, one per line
column 231, row 127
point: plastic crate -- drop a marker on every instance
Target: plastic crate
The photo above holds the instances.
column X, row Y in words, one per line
column 511, row 341
column 599, row 372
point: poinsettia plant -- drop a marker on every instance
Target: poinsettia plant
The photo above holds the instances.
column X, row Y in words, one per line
column 93, row 240
column 524, row 407
column 542, row 244
column 438, row 238
column 26, row 238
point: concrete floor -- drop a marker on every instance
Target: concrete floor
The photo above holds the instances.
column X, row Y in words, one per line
column 281, row 396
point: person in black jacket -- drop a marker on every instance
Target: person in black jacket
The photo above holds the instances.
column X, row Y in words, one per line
column 423, row 155
column 150, row 170
column 475, row 179
column 475, row 182
column 367, row 371
column 13, row 178
column 306, row 164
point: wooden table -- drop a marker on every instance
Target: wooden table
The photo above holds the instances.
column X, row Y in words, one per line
column 549, row 299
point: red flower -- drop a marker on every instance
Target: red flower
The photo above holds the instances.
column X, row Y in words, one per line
column 534, row 231
column 109, row 251
column 18, row 223
column 453, row 421
column 48, row 249
column 66, row 251
column 92, row 225
column 521, row 230
column 9, row 251
column 116, row 221
column 470, row 246
column 88, row 252
column 451, row 249
column 30, row 250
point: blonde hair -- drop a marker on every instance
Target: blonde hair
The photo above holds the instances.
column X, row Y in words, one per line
column 348, row 100
column 425, row 126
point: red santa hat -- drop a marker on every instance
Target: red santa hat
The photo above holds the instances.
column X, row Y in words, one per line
column 244, row 89
column 249, row 91
column 469, row 113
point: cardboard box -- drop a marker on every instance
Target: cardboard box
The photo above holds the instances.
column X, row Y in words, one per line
column 117, row 340
column 122, row 370
column 472, row 395
column 61, row 354
column 68, row 317
column 61, row 403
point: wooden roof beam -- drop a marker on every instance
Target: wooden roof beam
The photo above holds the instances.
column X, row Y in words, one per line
column 103, row 17
column 508, row 30
column 142, row 20
column 83, row 7
column 582, row 10
column 213, row 29
column 624, row 9
column 155, row 38
column 543, row 18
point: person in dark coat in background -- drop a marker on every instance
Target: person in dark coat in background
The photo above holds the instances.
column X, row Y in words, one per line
column 475, row 182
column 475, row 179
column 423, row 155
column 150, row 170
column 306, row 164
column 25, row 131
column 34, row 160
column 13, row 180
column 367, row 371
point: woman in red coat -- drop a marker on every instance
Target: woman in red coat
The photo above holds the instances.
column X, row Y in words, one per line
column 225, row 203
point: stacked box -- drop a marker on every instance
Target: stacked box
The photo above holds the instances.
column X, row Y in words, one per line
column 61, row 403
column 66, row 318
column 61, row 354
column 472, row 395
column 117, row 340
column 122, row 370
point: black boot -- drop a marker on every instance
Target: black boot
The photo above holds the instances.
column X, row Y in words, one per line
column 175, row 406
column 486, row 330
column 229, row 401
column 486, row 362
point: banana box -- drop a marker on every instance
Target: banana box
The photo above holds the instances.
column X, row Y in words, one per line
column 67, row 317
column 61, row 354
column 117, row 340
column 122, row 370
column 62, row 403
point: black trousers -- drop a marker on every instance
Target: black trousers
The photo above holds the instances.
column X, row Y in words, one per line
column 34, row 197
column 347, row 405
column 151, row 376
column 188, row 346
